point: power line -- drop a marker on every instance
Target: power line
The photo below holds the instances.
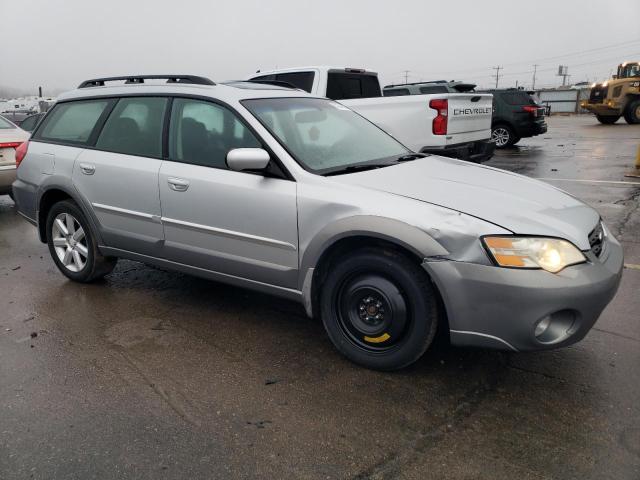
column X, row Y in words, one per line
column 538, row 60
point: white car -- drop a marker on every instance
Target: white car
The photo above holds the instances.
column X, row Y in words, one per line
column 11, row 137
column 274, row 189
column 449, row 124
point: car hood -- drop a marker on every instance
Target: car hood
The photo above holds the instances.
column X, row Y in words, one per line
column 511, row 201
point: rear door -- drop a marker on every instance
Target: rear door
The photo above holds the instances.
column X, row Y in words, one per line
column 236, row 223
column 119, row 176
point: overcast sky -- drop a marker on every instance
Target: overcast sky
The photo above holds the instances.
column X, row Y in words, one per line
column 57, row 44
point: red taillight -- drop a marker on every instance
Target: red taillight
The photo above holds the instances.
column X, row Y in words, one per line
column 10, row 144
column 440, row 122
column 21, row 152
column 532, row 109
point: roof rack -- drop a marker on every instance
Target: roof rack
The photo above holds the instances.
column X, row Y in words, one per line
column 129, row 79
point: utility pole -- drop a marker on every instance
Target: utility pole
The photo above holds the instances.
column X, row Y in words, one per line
column 497, row 69
column 406, row 76
column 535, row 69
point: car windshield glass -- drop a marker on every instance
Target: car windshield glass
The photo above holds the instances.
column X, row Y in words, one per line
column 5, row 125
column 323, row 135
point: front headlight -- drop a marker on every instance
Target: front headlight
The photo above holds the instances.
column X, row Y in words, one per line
column 550, row 254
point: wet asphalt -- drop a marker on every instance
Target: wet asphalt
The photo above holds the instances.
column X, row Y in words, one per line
column 153, row 374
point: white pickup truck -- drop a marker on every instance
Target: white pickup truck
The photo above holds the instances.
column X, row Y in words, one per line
column 450, row 124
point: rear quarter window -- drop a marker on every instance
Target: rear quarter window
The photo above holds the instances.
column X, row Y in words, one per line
column 517, row 98
column 396, row 92
column 72, row 122
column 434, row 89
column 6, row 125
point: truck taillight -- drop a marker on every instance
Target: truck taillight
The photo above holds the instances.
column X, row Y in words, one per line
column 533, row 110
column 21, row 152
column 440, row 122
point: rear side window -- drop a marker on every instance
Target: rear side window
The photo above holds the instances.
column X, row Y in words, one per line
column 5, row 124
column 134, row 127
column 342, row 86
column 396, row 92
column 72, row 122
column 434, row 89
column 202, row 133
column 517, row 98
column 29, row 123
column 302, row 80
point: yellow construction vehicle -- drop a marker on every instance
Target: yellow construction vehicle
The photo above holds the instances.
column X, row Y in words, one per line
column 619, row 96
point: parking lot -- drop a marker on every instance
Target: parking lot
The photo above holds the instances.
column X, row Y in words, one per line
column 154, row 374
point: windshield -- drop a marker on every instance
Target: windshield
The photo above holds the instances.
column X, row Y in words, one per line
column 629, row 70
column 323, row 135
column 5, row 124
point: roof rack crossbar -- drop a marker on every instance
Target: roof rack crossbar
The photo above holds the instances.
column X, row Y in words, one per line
column 130, row 79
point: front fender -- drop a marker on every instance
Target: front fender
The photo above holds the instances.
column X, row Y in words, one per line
column 394, row 231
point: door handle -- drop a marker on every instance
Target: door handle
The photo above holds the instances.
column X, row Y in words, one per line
column 178, row 184
column 87, row 168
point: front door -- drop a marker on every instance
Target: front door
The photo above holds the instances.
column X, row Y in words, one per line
column 236, row 223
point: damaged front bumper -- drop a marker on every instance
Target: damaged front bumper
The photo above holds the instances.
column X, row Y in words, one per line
column 506, row 308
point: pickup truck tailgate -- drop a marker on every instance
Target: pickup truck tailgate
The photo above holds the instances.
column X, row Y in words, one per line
column 469, row 117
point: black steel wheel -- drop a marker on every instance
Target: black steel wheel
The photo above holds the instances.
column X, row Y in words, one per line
column 632, row 112
column 379, row 308
column 372, row 311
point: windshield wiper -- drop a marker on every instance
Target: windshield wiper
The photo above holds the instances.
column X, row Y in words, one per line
column 410, row 156
column 357, row 168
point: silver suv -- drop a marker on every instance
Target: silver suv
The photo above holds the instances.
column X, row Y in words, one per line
column 273, row 189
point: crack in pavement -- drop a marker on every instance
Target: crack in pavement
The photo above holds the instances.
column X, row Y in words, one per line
column 633, row 199
column 423, row 441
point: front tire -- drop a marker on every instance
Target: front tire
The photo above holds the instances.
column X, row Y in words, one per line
column 503, row 136
column 607, row 119
column 379, row 308
column 73, row 246
column 632, row 112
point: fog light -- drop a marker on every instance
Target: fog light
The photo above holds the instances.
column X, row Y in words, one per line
column 542, row 326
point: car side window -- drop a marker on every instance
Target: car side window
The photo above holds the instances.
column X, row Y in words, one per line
column 134, row 127
column 29, row 123
column 396, row 92
column 72, row 122
column 302, row 80
column 433, row 89
column 203, row 133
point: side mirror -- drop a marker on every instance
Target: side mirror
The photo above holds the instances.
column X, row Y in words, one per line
column 240, row 159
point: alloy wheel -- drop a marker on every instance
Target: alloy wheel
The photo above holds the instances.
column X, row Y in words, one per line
column 70, row 242
column 500, row 136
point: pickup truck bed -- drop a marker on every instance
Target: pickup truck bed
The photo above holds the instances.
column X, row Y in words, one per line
column 450, row 124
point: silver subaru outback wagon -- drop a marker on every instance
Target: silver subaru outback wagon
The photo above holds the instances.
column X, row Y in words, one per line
column 273, row 189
